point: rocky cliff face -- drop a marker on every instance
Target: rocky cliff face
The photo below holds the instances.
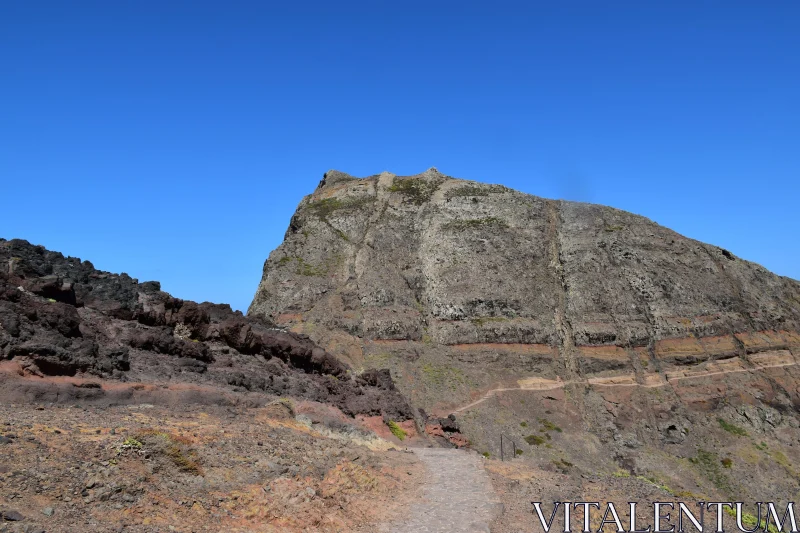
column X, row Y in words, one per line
column 502, row 307
column 429, row 263
column 59, row 316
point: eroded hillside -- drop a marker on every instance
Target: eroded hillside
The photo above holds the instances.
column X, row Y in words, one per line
column 125, row 409
column 643, row 347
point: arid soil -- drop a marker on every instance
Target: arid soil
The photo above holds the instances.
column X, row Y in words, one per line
column 149, row 468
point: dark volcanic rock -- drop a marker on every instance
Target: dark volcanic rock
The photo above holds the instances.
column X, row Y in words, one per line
column 61, row 317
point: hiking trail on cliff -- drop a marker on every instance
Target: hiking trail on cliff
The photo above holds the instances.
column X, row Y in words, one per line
column 457, row 495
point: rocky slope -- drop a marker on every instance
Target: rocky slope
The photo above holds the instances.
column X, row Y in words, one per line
column 59, row 316
column 521, row 314
column 125, row 409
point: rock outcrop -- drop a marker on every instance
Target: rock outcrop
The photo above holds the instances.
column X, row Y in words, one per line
column 427, row 263
column 504, row 307
column 59, row 316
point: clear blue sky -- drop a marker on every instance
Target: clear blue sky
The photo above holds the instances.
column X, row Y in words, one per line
column 173, row 140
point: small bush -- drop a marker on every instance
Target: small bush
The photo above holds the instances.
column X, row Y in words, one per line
column 130, row 442
column 730, row 428
column 727, row 462
column 549, row 426
column 328, row 206
column 396, row 430
column 708, row 464
column 749, row 521
column 519, row 452
column 415, row 190
column 563, row 465
column 486, row 454
column 534, row 440
column 523, row 424
column 175, row 447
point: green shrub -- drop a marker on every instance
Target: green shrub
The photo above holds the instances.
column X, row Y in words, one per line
column 563, row 465
column 324, row 208
column 534, row 440
column 396, row 430
column 749, row 521
column 130, row 442
column 415, row 190
column 549, row 426
column 730, row 428
column 709, row 465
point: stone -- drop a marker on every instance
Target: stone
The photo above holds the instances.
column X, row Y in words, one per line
column 13, row 516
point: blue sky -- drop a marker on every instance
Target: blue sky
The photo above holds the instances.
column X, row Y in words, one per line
column 173, row 140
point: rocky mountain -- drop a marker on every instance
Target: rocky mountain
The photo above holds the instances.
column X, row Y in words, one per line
column 520, row 314
column 59, row 316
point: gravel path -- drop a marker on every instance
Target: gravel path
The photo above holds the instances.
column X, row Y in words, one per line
column 458, row 496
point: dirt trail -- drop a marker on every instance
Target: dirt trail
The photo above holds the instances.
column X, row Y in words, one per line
column 458, row 496
column 540, row 384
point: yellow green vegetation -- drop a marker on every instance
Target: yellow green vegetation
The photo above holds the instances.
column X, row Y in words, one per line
column 442, row 375
column 749, row 521
column 415, row 190
column 130, row 442
column 396, row 430
column 174, row 447
column 563, row 465
column 613, row 228
column 731, row 428
column 548, row 426
column 709, row 465
column 652, row 480
column 536, row 440
column 326, row 207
